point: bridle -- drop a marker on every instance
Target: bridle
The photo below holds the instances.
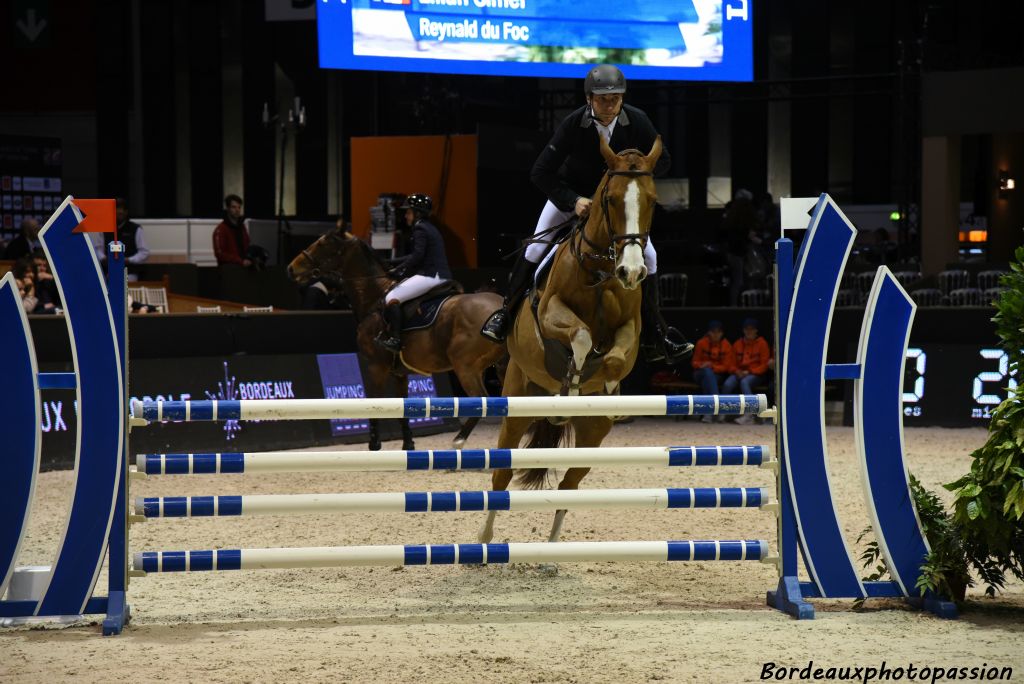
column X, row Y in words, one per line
column 317, row 271
column 616, row 243
column 334, row 276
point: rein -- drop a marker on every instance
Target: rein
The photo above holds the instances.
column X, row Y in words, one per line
column 330, row 271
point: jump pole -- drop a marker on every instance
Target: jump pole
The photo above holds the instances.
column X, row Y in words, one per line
column 444, row 502
column 451, row 407
column 450, row 459
column 450, row 554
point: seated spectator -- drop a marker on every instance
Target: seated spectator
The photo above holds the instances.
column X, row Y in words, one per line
column 712, row 361
column 45, row 281
column 128, row 232
column 34, row 300
column 231, row 237
column 23, row 245
column 753, row 357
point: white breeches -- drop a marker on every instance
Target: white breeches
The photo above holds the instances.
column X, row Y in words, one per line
column 412, row 287
column 552, row 216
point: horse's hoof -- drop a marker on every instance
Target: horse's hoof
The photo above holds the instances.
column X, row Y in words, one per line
column 374, row 446
column 458, row 443
column 558, row 420
column 408, row 446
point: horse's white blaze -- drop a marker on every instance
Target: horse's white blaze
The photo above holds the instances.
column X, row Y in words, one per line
column 632, row 257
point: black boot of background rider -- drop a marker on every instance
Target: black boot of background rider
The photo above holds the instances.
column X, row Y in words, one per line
column 496, row 328
column 391, row 336
column 658, row 341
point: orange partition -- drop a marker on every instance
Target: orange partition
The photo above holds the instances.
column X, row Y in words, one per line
column 409, row 164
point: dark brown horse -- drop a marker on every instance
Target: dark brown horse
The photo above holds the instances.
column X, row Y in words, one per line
column 452, row 343
column 588, row 316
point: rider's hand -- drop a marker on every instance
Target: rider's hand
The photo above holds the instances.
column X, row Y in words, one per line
column 582, row 206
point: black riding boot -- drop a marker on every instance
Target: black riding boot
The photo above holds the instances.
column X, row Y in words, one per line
column 496, row 327
column 658, row 341
column 391, row 336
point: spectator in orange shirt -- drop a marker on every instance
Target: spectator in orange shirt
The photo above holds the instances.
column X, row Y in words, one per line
column 753, row 357
column 712, row 361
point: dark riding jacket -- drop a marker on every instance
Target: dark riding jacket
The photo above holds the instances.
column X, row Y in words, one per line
column 571, row 165
column 427, row 257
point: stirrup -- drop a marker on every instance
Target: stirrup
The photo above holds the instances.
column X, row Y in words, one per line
column 390, row 342
column 675, row 346
column 494, row 328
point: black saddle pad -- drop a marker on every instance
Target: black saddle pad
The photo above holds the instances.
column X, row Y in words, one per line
column 421, row 312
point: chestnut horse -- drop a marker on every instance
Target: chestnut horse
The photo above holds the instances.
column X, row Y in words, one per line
column 587, row 315
column 453, row 342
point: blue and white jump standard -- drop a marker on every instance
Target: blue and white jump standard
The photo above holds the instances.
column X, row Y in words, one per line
column 802, row 500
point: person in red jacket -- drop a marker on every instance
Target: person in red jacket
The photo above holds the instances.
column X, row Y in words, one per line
column 712, row 361
column 231, row 237
column 753, row 357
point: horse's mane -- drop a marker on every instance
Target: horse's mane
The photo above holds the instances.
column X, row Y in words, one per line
column 370, row 255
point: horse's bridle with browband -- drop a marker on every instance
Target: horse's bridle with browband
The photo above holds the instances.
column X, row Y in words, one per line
column 334, row 276
column 610, row 253
column 316, row 272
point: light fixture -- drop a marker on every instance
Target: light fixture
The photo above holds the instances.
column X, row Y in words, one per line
column 1006, row 184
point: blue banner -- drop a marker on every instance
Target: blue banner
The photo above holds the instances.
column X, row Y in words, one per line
column 342, row 379
column 696, row 40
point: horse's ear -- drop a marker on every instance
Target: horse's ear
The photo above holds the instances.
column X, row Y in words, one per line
column 610, row 158
column 654, row 154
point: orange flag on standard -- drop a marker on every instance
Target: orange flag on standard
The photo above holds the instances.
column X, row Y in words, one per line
column 99, row 216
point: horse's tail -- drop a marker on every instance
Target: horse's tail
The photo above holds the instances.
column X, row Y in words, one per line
column 543, row 435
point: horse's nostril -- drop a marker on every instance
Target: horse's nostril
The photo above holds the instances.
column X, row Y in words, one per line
column 621, row 272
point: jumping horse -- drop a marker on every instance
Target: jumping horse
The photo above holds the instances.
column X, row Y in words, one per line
column 579, row 332
column 452, row 343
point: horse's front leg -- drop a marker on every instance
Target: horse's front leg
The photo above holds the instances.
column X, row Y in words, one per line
column 620, row 358
column 559, row 322
column 374, row 440
column 401, row 385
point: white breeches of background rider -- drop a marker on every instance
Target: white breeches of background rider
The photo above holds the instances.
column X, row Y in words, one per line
column 552, row 216
column 412, row 287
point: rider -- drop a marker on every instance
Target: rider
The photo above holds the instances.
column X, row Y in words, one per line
column 568, row 170
column 424, row 268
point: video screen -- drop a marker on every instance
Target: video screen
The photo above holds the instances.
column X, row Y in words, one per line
column 695, row 40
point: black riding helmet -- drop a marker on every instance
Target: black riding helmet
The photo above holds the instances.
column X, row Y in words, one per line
column 418, row 202
column 604, row 79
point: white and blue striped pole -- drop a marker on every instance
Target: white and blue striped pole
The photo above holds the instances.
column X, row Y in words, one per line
column 452, row 407
column 440, row 502
column 448, row 459
column 449, row 554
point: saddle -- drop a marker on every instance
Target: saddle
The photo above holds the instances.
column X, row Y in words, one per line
column 421, row 312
